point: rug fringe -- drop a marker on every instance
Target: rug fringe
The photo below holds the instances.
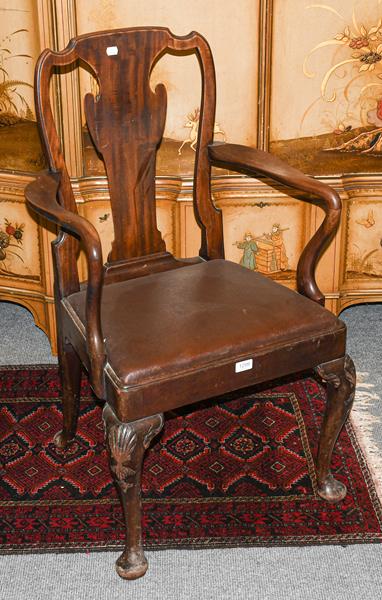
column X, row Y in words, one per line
column 364, row 422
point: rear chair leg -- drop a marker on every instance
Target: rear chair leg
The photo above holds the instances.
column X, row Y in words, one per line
column 127, row 443
column 70, row 372
column 340, row 377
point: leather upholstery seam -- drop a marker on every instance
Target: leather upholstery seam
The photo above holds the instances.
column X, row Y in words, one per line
column 117, row 381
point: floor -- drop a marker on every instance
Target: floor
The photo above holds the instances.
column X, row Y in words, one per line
column 317, row 573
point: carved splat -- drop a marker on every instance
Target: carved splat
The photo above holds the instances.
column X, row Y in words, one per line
column 126, row 122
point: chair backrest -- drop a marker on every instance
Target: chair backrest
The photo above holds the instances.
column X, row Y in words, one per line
column 126, row 122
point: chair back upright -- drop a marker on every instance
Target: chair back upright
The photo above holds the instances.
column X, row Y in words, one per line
column 126, row 121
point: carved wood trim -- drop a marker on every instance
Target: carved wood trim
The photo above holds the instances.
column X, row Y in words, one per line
column 264, row 75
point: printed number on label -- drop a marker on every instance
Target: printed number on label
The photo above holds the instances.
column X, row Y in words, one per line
column 244, row 365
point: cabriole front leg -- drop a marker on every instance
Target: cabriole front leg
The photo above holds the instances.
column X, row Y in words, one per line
column 340, row 377
column 127, row 443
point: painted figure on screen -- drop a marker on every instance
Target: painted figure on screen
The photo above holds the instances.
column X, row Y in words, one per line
column 265, row 253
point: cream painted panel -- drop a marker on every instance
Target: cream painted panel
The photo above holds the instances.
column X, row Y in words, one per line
column 231, row 29
column 19, row 243
column 299, row 107
column 18, row 39
column 190, row 232
column 98, row 212
column 265, row 236
column 364, row 243
column 166, row 216
column 326, row 88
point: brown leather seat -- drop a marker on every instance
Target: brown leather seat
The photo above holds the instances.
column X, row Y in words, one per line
column 224, row 311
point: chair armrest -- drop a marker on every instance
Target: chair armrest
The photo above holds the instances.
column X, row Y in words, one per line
column 41, row 196
column 256, row 162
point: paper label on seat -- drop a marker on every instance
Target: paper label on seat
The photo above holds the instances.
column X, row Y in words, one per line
column 112, row 50
column 244, row 365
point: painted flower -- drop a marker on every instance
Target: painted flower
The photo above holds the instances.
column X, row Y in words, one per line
column 379, row 109
column 4, row 239
column 10, row 229
column 7, row 237
column 370, row 59
column 374, row 117
column 15, row 230
column 359, row 42
column 344, row 36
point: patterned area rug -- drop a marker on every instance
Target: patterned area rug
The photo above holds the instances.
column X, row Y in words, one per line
column 233, row 471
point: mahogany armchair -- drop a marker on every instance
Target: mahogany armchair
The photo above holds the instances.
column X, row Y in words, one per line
column 153, row 332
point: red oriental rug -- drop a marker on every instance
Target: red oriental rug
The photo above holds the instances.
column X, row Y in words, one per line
column 237, row 471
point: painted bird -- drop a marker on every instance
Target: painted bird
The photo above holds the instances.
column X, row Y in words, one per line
column 369, row 221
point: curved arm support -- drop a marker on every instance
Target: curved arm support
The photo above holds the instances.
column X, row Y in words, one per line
column 256, row 162
column 41, row 196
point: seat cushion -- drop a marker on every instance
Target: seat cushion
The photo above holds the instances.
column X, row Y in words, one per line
column 187, row 319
